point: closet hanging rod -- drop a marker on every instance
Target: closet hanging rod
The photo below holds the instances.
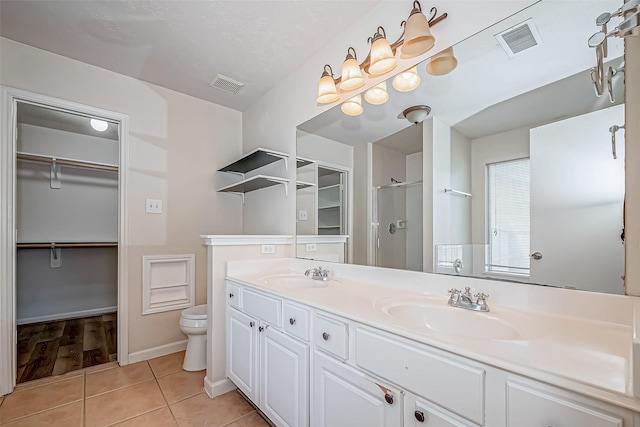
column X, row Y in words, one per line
column 67, row 162
column 460, row 193
column 66, row 245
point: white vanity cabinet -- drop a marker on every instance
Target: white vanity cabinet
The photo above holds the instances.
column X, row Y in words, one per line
column 267, row 364
column 346, row 397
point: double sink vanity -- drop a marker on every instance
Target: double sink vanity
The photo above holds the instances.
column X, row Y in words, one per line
column 369, row 346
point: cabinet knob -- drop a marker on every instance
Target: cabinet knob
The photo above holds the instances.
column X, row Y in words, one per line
column 325, row 336
column 252, row 324
column 231, row 295
column 292, row 321
column 419, row 416
column 389, row 398
column 260, row 328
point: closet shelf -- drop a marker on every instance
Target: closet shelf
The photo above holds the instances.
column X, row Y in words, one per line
column 254, row 183
column 66, row 245
column 301, row 161
column 302, row 184
column 30, row 157
column 254, row 160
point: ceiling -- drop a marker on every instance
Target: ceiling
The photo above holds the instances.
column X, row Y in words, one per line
column 184, row 45
column 489, row 92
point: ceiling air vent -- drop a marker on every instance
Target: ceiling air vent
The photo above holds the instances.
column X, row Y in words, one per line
column 519, row 38
column 226, row 84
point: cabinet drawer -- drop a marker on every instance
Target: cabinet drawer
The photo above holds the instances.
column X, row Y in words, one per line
column 420, row 413
column 234, row 296
column 296, row 320
column 262, row 306
column 331, row 335
column 436, row 376
column 527, row 407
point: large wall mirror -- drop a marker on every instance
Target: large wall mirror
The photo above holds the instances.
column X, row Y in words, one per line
column 513, row 174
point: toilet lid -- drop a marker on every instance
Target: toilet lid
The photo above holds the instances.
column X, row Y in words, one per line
column 196, row 312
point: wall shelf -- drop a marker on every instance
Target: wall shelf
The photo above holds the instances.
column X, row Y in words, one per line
column 302, row 184
column 255, row 159
column 255, row 183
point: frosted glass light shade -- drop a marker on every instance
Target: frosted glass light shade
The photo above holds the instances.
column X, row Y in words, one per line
column 327, row 92
column 99, row 125
column 378, row 94
column 442, row 63
column 381, row 57
column 417, row 35
column 407, row 80
column 351, row 75
column 353, row 106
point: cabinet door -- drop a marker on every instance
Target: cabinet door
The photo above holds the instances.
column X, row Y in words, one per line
column 242, row 352
column 345, row 397
column 284, row 378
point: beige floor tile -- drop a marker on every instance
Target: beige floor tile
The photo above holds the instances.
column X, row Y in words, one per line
column 37, row 399
column 101, row 367
column 202, row 411
column 120, row 405
column 158, row 418
column 1, row 399
column 251, row 420
column 168, row 364
column 62, row 416
column 48, row 380
column 115, row 378
column 181, row 385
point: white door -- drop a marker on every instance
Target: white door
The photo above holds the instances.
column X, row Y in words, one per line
column 284, row 382
column 577, row 192
column 242, row 352
column 344, row 397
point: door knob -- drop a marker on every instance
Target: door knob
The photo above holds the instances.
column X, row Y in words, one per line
column 536, row 255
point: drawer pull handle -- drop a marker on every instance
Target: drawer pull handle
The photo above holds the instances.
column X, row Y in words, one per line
column 325, row 336
column 419, row 416
column 389, row 398
column 292, row 321
column 252, row 324
column 231, row 295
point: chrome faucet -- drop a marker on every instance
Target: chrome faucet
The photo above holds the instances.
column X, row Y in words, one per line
column 318, row 273
column 464, row 300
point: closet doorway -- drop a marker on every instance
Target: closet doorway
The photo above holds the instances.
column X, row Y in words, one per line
column 66, row 296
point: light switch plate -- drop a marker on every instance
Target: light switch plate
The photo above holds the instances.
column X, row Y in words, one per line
column 153, row 206
column 302, row 215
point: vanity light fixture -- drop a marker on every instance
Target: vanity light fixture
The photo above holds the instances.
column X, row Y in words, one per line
column 415, row 39
column 442, row 63
column 381, row 57
column 417, row 34
column 99, row 125
column 351, row 74
column 407, row 80
column 327, row 92
column 417, row 113
column 378, row 94
column 353, row 106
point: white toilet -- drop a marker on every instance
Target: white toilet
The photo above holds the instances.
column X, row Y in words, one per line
column 193, row 323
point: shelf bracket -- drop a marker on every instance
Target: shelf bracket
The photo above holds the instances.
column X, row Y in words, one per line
column 238, row 193
column 280, row 156
column 55, row 175
column 284, row 184
column 460, row 193
column 55, row 260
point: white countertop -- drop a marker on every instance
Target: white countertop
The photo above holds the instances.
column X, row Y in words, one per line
column 592, row 357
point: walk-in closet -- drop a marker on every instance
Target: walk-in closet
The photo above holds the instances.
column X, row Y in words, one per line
column 66, row 212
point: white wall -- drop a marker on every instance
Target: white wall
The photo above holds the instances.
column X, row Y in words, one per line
column 460, row 180
column 176, row 142
column 414, row 213
column 272, row 121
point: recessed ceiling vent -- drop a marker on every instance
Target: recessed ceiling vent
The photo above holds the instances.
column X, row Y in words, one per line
column 226, row 84
column 519, row 38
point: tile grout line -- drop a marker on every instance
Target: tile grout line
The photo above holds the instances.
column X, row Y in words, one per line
column 163, row 395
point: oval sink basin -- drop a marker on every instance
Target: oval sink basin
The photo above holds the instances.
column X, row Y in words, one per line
column 292, row 281
column 452, row 321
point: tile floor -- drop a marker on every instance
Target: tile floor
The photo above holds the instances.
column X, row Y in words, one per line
column 154, row 393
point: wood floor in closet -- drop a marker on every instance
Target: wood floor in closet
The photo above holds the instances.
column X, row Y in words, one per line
column 57, row 347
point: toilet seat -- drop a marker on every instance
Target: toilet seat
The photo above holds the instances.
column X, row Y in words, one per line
column 198, row 312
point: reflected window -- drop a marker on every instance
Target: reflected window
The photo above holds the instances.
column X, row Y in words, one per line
column 508, row 225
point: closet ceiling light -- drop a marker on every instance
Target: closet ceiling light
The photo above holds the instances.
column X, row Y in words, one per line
column 417, row 113
column 99, row 125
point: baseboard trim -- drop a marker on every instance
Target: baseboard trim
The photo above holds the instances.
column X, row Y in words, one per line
column 69, row 315
column 219, row 387
column 154, row 352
